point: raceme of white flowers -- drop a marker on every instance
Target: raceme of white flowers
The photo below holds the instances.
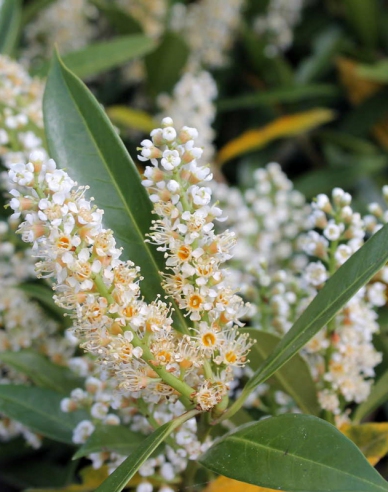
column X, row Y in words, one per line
column 68, row 23
column 132, row 339
column 268, row 218
column 192, row 100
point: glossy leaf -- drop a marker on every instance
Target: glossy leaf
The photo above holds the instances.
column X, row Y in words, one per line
column 224, row 484
column 39, row 409
column 114, row 438
column 283, row 127
column 294, row 378
column 297, row 453
column 82, row 139
column 10, row 19
column 282, row 95
column 42, row 371
column 105, row 55
column 370, row 438
column 121, row 476
column 164, row 71
column 338, row 290
column 133, row 119
column 377, row 396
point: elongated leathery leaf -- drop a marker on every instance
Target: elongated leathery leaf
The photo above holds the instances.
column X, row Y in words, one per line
column 116, row 438
column 105, row 55
column 341, row 287
column 297, row 453
column 82, row 140
column 42, row 371
column 10, row 18
column 294, row 378
column 120, row 477
column 39, row 409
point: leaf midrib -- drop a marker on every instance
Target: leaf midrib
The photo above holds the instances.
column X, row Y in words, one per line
column 281, row 452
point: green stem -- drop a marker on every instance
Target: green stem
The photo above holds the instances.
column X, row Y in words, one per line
column 183, row 388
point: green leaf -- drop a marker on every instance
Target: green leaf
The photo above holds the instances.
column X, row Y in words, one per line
column 297, row 453
column 82, row 139
column 118, row 18
column 114, row 438
column 165, row 65
column 10, row 19
column 42, row 371
column 294, row 378
column 338, row 290
column 105, row 55
column 324, row 180
column 377, row 72
column 31, row 9
column 348, row 142
column 363, row 18
column 326, row 47
column 120, row 477
column 377, row 396
column 282, row 95
column 39, row 409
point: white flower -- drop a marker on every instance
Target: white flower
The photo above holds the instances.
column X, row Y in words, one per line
column 170, row 159
column 83, row 431
column 333, row 231
column 316, row 273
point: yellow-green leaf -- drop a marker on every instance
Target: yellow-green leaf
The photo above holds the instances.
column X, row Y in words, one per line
column 133, row 119
column 371, row 439
column 285, row 126
column 224, row 484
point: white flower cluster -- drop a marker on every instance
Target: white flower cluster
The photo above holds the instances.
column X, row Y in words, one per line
column 218, row 21
column 342, row 356
column 68, row 23
column 21, row 120
column 277, row 24
column 132, row 339
column 23, row 324
column 192, row 101
column 292, row 250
